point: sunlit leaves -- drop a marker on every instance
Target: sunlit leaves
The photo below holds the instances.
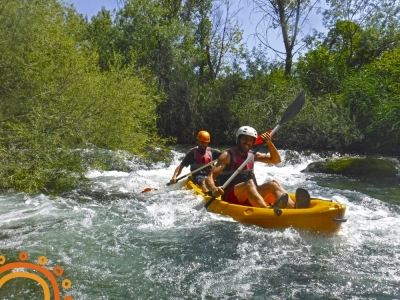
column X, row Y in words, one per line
column 374, row 97
column 57, row 101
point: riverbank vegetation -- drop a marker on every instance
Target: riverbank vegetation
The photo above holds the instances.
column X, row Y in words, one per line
column 153, row 73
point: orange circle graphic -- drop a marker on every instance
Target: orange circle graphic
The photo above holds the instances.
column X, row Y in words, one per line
column 31, row 266
column 23, row 256
column 26, row 266
column 42, row 260
column 66, row 284
column 58, row 270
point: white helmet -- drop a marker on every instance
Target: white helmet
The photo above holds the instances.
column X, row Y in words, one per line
column 246, row 130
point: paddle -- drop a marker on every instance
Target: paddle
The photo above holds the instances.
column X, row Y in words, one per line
column 148, row 189
column 259, row 139
column 199, row 169
column 287, row 116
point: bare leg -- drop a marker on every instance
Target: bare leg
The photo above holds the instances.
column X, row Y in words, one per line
column 273, row 187
column 248, row 190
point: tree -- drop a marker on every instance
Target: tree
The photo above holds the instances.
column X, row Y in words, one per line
column 289, row 18
column 223, row 42
column 185, row 44
column 57, row 104
column 380, row 14
column 345, row 49
column 103, row 36
column 362, row 29
column 321, row 71
column 373, row 96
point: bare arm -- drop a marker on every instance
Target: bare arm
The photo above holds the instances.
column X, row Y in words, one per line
column 273, row 157
column 223, row 160
column 178, row 171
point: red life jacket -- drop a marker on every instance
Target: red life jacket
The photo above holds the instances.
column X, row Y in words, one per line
column 236, row 161
column 201, row 159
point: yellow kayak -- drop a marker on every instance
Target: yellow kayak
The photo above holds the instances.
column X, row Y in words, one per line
column 324, row 216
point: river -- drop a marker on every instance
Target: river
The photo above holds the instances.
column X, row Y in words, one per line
column 113, row 242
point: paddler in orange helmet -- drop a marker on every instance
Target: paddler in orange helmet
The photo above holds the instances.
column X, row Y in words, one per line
column 197, row 157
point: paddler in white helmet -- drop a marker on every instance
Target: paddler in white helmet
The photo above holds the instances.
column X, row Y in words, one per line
column 243, row 189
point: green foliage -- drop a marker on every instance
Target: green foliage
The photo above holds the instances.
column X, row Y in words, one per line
column 357, row 46
column 382, row 14
column 262, row 101
column 344, row 51
column 186, row 45
column 354, row 64
column 113, row 102
column 373, row 95
column 322, row 124
column 160, row 36
column 154, row 33
column 103, row 36
column 73, row 90
column 320, row 71
column 323, row 70
column 215, row 102
column 56, row 100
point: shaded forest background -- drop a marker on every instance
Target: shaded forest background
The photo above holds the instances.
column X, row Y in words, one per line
column 155, row 72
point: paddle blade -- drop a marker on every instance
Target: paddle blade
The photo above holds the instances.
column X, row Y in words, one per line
column 148, row 190
column 288, row 115
column 259, row 139
column 293, row 108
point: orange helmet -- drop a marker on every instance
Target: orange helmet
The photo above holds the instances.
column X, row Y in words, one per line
column 203, row 136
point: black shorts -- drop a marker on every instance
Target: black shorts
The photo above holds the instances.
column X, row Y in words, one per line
column 198, row 179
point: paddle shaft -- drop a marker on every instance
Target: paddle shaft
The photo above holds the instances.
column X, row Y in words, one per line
column 195, row 171
column 288, row 115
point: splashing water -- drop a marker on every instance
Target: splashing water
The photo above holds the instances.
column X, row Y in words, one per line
column 116, row 243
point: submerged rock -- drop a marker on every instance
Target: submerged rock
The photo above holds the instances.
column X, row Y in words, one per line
column 353, row 166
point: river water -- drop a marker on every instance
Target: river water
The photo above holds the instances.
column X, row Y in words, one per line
column 115, row 243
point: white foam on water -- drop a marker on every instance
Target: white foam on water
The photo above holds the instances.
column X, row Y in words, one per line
column 162, row 241
column 96, row 173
